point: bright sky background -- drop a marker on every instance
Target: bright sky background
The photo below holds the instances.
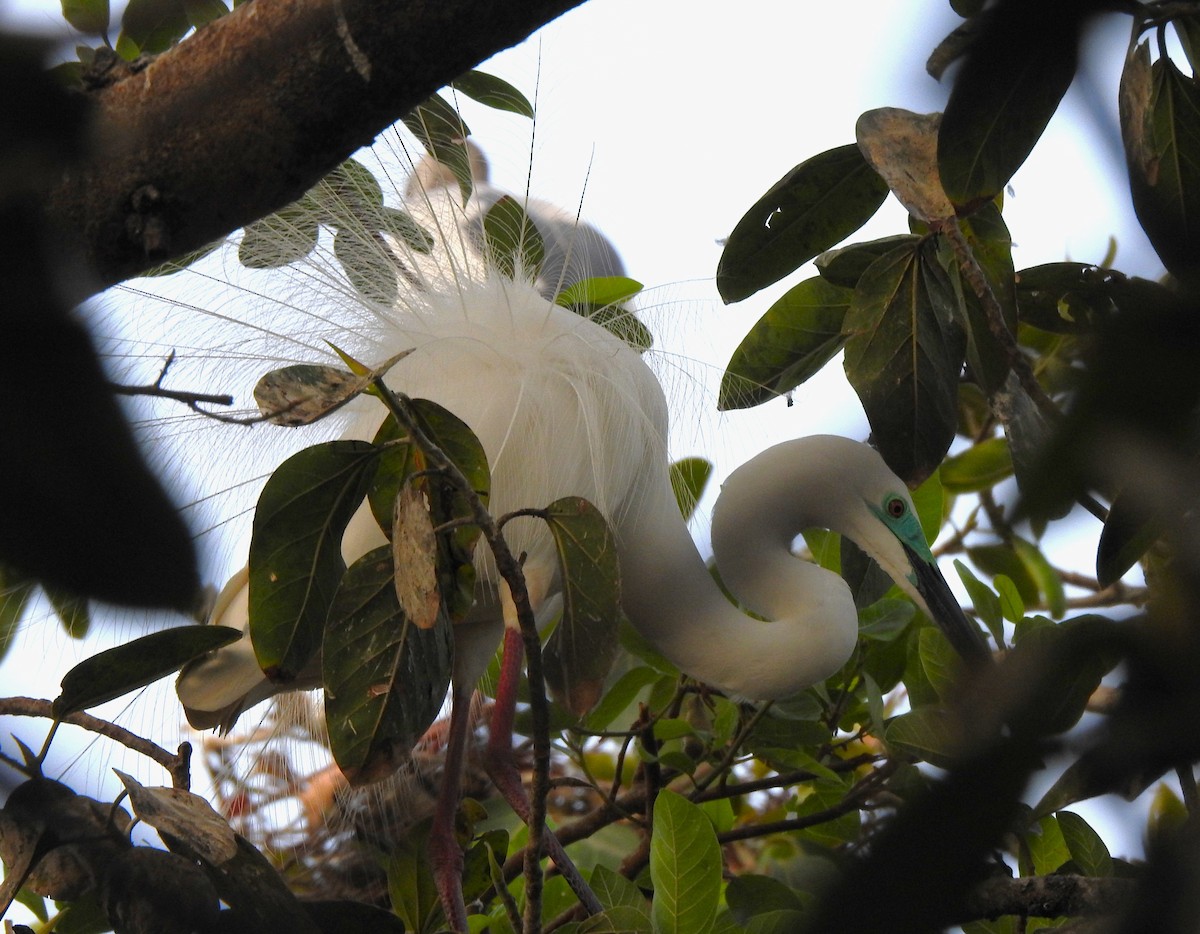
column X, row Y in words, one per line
column 679, row 114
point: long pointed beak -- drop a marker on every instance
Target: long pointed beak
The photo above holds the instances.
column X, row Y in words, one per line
column 944, row 609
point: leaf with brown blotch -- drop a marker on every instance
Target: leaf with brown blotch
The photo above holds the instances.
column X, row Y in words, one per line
column 902, row 147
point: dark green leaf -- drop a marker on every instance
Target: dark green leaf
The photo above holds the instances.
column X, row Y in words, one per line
column 404, row 463
column 1048, row 580
column 368, row 263
column 618, row 698
column 1087, row 849
column 991, row 244
column 296, row 550
column 580, row 652
column 514, row 244
column 1128, row 534
column 797, row 336
column 978, row 468
column 885, row 620
column 71, row 611
column 401, row 225
column 689, row 477
column 385, row 678
column 840, row 829
column 154, row 25
column 1018, row 68
column 1001, row 559
column 986, row 604
column 929, row 734
column 941, row 662
column 127, row 667
column 1070, row 298
column 88, row 16
column 278, row 239
column 344, row 916
column 846, row 265
column 202, row 12
column 904, row 355
column 1187, row 28
column 493, row 92
column 1160, row 124
column 685, row 866
column 444, row 135
column 815, row 206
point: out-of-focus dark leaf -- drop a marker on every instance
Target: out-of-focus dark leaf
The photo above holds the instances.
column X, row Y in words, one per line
column 295, row 550
column 1020, row 63
column 689, row 477
column 580, row 652
column 127, row 667
column 154, row 25
column 1128, row 533
column 797, row 336
column 88, row 16
column 385, row 678
column 815, row 206
column 1074, row 298
column 202, row 12
column 904, row 355
column 1160, row 113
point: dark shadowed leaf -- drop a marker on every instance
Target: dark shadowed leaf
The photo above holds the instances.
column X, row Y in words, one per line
column 71, row 611
column 296, row 549
column 444, row 135
column 845, row 265
column 513, row 240
column 991, row 244
column 1085, row 845
column 929, row 734
column 384, row 678
column 284, row 237
column 1072, row 298
column 689, row 477
column 183, row 814
column 15, row 591
column 797, row 336
column 815, row 206
column 493, row 92
column 1128, row 534
column 154, row 25
column 1160, row 124
column 984, row 602
column 904, row 356
column 580, row 652
column 1020, row 63
column 202, row 12
column 368, row 263
column 127, row 667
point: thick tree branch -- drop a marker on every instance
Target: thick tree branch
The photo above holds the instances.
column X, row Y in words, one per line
column 1048, row 897
column 249, row 112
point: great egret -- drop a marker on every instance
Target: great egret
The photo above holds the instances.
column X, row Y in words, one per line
column 564, row 407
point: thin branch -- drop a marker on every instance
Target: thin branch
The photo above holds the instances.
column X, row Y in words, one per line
column 177, row 764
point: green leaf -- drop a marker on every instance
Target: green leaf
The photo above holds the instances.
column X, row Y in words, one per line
column 127, row 667
column 368, row 264
column 978, row 468
column 15, row 591
column 885, row 620
column 618, row 698
column 846, row 265
column 1011, row 604
column 154, row 25
column 1046, row 846
column 815, row 206
column 88, row 16
column 411, row 889
column 1160, row 113
column 834, row 832
column 443, row 133
column 930, row 501
column 1048, row 580
column 1004, row 95
column 685, row 867
column 601, row 299
column 984, row 601
column 514, row 243
column 404, row 463
column 904, row 355
column 751, row 894
column 296, row 550
column 493, row 92
column 991, row 244
column 278, row 239
column 930, row 734
column 72, row 611
column 1087, row 849
column 384, row 677
column 798, row 335
column 623, row 919
column 1072, row 298
column 614, row 890
column 202, row 12
column 689, row 477
column 580, row 652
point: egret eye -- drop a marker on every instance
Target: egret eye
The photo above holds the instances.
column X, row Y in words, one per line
column 896, row 507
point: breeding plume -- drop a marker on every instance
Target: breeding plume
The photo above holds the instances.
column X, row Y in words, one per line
column 564, row 407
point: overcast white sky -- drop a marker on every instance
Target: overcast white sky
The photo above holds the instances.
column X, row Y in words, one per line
column 681, row 113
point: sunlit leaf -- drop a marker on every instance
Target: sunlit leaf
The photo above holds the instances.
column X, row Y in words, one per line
column 1087, row 848
column 815, row 206
column 1046, row 847
column 580, row 652
column 602, row 299
column 127, row 667
column 88, row 16
column 903, row 357
column 493, row 92
column 798, row 335
column 385, row 678
column 296, row 549
column 685, row 867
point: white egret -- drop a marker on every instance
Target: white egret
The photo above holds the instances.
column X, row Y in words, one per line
column 564, row 407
